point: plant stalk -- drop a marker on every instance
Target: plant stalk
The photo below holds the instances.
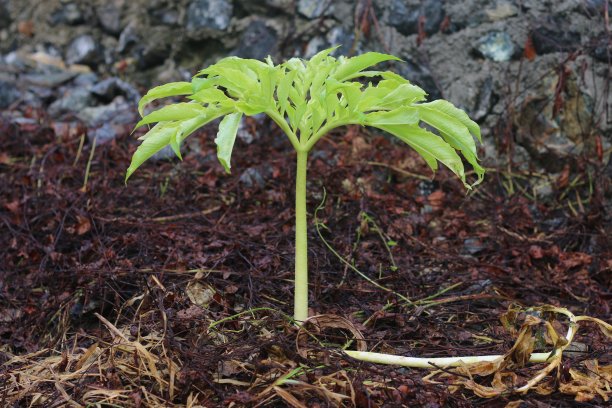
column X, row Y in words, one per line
column 300, row 311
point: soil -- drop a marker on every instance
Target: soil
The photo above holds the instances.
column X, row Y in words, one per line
column 176, row 289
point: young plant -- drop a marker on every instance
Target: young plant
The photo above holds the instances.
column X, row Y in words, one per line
column 307, row 99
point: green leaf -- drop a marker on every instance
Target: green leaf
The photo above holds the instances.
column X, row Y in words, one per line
column 225, row 139
column 156, row 139
column 451, row 110
column 351, row 66
column 431, row 147
column 164, row 91
column 450, row 121
column 178, row 111
column 401, row 116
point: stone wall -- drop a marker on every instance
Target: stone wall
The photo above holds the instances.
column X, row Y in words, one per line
column 534, row 73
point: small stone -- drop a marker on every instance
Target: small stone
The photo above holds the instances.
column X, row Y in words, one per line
column 405, row 15
column 252, row 177
column 48, row 80
column 165, row 16
column 496, row 46
column 164, row 154
column 472, row 246
column 109, row 88
column 8, row 94
column 73, row 101
column 602, row 48
column 420, row 75
column 117, row 112
column 69, row 14
column 84, row 50
column 104, row 133
column 315, row 8
column 267, row 6
column 257, row 41
column 484, row 100
column 109, row 16
column 501, row 11
column 209, row 14
column 5, row 17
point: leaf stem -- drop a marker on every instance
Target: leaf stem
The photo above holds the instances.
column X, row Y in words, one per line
column 301, row 240
column 282, row 123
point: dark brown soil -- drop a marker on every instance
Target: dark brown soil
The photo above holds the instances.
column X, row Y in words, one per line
column 135, row 254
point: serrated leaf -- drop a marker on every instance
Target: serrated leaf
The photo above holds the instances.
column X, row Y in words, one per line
column 164, row 91
column 157, row 138
column 449, row 109
column 431, row 147
column 351, row 66
column 225, row 139
column 177, row 111
column 404, row 115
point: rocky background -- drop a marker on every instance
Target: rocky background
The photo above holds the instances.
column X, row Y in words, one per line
column 534, row 73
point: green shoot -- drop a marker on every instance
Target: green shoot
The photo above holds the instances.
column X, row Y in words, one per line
column 308, row 99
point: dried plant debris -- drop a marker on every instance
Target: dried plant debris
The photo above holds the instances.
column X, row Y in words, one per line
column 508, row 374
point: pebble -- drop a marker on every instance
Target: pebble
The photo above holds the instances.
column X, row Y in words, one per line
column 209, row 14
column 84, row 49
column 109, row 16
column 107, row 89
column 496, row 46
column 8, row 94
column 73, row 101
column 257, row 41
column 104, row 133
column 119, row 111
column 252, row 177
column 315, row 8
column 553, row 36
column 404, row 15
column 69, row 14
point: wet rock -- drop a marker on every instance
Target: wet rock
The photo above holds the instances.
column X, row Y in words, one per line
column 335, row 36
column 472, row 246
column 553, row 36
column 601, row 49
column 496, row 46
column 119, row 112
column 165, row 16
column 84, row 49
column 73, row 101
column 208, row 15
column 267, row 6
column 258, row 41
column 69, row 14
column 420, row 75
column 104, row 133
column 86, row 80
column 315, row 8
column 127, row 40
column 405, row 15
column 109, row 16
column 109, row 88
column 252, row 177
column 48, row 80
column 5, row 16
column 484, row 100
column 8, row 93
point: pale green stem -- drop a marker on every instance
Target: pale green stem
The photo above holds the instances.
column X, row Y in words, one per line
column 301, row 240
column 282, row 123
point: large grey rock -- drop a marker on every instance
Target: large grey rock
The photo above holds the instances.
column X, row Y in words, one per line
column 257, row 41
column 209, row 15
column 84, row 49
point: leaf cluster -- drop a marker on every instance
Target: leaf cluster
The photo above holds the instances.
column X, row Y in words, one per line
column 307, row 99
